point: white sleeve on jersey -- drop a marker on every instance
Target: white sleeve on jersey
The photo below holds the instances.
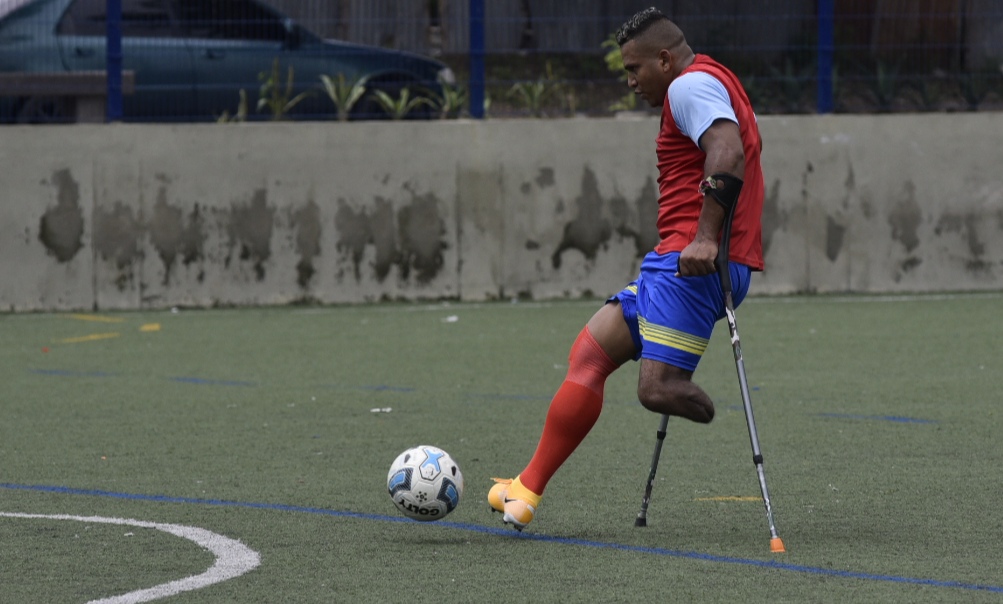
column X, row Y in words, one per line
column 698, row 99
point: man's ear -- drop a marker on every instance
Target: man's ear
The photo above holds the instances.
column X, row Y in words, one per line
column 665, row 60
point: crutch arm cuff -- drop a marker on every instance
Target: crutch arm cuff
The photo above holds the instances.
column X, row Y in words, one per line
column 723, row 188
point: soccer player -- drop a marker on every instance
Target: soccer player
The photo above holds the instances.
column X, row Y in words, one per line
column 708, row 151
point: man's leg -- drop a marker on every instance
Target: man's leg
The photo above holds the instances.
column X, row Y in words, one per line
column 669, row 390
column 600, row 349
column 676, row 317
column 602, row 346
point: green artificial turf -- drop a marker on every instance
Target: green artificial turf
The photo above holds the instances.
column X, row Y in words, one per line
column 878, row 418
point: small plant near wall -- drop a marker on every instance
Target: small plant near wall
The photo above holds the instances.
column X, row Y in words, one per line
column 275, row 97
column 885, row 85
column 534, row 95
column 792, row 86
column 976, row 86
column 757, row 91
column 614, row 62
column 451, row 102
column 344, row 94
column 398, row 108
column 239, row 116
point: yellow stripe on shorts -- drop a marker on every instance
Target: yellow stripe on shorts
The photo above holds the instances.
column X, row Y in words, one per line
column 673, row 338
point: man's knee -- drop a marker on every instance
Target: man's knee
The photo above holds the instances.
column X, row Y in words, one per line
column 679, row 397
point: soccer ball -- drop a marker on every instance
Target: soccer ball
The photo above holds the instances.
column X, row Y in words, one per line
column 425, row 483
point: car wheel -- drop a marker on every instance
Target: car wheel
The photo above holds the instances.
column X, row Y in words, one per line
column 45, row 110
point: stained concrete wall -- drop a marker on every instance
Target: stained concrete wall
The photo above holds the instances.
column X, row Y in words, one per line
column 130, row 216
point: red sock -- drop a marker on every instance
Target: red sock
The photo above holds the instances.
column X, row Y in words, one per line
column 573, row 411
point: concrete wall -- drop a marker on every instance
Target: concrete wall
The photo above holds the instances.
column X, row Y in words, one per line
column 128, row 216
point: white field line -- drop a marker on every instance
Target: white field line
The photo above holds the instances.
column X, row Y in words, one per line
column 233, row 558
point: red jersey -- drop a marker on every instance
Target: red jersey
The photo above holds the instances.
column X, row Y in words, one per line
column 681, row 168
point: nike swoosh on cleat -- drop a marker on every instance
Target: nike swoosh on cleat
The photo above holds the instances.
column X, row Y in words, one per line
column 507, row 500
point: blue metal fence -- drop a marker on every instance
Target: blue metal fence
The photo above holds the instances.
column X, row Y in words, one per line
column 114, row 60
column 476, row 53
column 204, row 60
column 826, row 51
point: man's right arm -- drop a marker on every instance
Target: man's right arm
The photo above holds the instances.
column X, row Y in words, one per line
column 722, row 143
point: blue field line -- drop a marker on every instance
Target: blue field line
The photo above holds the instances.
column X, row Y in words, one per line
column 512, row 397
column 369, row 387
column 208, row 382
column 68, row 373
column 885, row 418
column 506, row 532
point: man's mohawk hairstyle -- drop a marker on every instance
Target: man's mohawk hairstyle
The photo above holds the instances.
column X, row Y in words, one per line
column 637, row 24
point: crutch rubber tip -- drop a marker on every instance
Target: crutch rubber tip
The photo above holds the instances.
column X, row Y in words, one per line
column 640, row 521
column 777, row 545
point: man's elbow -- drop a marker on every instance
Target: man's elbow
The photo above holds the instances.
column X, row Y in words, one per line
column 734, row 158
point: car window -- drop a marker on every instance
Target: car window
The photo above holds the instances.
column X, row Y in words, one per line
column 83, row 18
column 140, row 18
column 230, row 19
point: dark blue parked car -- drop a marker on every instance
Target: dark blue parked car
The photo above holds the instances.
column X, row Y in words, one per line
column 191, row 58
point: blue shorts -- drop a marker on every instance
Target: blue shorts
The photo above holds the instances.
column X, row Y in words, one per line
column 671, row 318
